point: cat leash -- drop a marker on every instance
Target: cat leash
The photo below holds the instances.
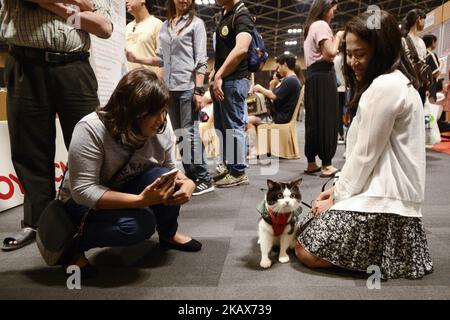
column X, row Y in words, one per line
column 303, row 227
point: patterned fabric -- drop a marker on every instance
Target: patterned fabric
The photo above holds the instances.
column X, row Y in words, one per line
column 26, row 24
column 355, row 240
column 278, row 225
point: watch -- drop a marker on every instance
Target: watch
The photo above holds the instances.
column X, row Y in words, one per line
column 199, row 91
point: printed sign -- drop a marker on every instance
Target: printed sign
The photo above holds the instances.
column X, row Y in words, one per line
column 108, row 55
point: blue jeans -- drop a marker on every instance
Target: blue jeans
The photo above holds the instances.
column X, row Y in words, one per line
column 230, row 118
column 124, row 227
column 185, row 122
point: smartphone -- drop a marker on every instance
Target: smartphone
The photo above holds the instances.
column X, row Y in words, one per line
column 168, row 176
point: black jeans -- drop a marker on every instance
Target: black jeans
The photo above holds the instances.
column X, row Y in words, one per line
column 37, row 91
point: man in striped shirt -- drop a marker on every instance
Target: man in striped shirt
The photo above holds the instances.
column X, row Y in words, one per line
column 47, row 73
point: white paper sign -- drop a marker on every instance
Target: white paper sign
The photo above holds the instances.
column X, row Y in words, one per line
column 108, row 55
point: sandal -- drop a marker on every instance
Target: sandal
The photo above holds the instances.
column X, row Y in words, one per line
column 322, row 175
column 312, row 171
column 23, row 237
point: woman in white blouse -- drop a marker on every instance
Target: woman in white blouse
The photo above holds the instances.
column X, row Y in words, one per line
column 372, row 216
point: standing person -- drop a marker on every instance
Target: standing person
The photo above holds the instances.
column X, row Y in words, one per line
column 373, row 214
column 412, row 25
column 321, row 97
column 182, row 54
column 338, row 65
column 47, row 73
column 116, row 158
column 230, row 86
column 432, row 59
column 142, row 33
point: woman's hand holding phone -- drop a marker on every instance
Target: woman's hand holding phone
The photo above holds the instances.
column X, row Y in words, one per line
column 158, row 192
column 184, row 193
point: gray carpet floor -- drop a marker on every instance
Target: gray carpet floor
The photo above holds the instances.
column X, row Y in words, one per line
column 228, row 266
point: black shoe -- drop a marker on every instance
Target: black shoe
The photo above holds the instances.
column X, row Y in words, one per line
column 203, row 187
column 191, row 246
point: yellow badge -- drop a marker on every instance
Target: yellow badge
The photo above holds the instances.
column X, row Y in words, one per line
column 224, row 32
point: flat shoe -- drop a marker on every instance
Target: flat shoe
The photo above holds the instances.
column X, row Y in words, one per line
column 190, row 246
column 312, row 171
column 322, row 175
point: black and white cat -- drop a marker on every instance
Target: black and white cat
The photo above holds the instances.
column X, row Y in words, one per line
column 279, row 212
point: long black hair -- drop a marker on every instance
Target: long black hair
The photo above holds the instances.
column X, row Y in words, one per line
column 410, row 20
column 171, row 12
column 317, row 12
column 387, row 56
column 139, row 94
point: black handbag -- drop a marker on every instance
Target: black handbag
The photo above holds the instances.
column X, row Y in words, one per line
column 56, row 232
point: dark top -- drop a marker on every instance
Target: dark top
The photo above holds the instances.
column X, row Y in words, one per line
column 226, row 39
column 432, row 62
column 287, row 97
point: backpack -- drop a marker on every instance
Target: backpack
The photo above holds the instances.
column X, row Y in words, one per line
column 257, row 54
column 423, row 70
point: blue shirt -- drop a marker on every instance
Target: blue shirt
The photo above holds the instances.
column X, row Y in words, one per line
column 182, row 54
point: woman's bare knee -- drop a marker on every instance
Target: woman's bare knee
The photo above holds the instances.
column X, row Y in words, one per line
column 310, row 260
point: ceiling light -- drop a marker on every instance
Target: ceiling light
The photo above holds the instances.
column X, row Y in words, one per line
column 294, row 31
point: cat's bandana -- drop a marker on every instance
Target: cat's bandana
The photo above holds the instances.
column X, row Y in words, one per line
column 278, row 221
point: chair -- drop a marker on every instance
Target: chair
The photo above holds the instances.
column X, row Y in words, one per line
column 280, row 139
column 209, row 136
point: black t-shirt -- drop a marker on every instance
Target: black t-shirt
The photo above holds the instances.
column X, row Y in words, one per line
column 287, row 97
column 226, row 39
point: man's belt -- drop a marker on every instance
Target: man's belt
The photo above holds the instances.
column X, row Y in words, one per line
column 40, row 55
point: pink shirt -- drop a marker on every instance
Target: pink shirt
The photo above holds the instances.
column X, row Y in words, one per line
column 318, row 31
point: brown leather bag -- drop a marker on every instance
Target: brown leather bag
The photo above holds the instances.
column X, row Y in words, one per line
column 423, row 70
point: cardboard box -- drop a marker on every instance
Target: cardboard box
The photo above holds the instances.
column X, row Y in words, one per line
column 446, row 11
column 434, row 18
column 2, row 105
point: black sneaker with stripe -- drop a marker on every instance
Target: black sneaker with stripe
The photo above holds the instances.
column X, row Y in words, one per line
column 202, row 187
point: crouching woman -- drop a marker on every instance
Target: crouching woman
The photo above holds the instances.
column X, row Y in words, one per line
column 116, row 157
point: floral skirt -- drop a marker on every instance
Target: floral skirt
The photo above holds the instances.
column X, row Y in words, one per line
column 356, row 240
